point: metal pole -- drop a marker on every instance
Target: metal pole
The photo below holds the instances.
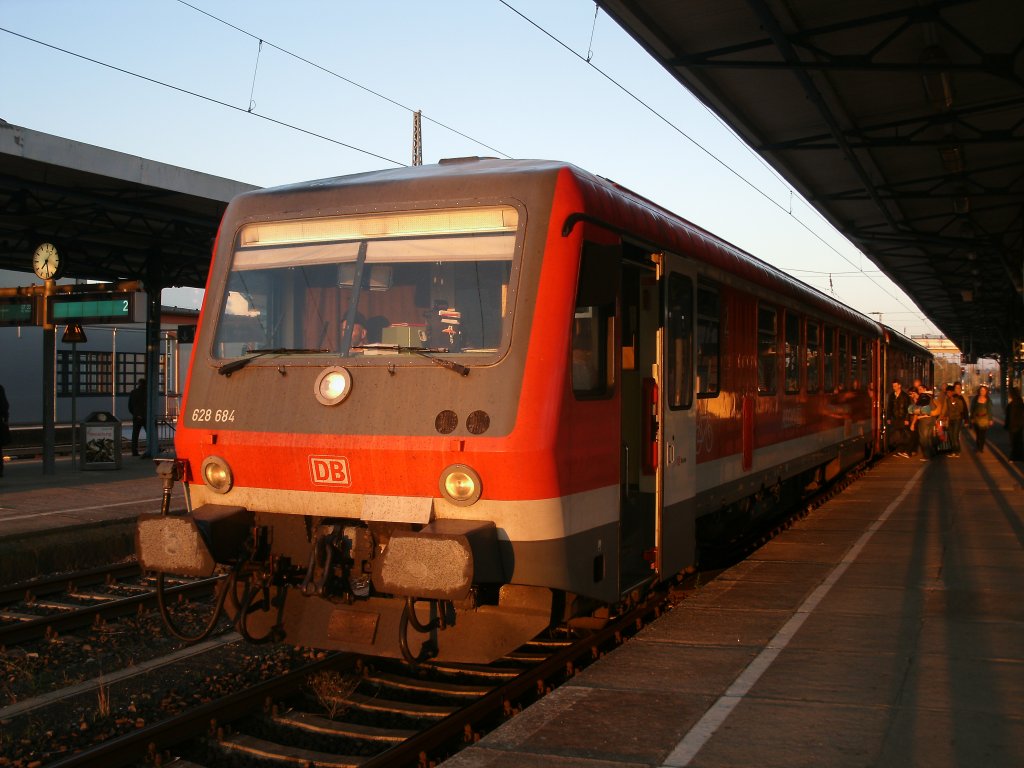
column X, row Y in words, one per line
column 417, row 138
column 74, row 406
column 49, row 384
column 113, row 372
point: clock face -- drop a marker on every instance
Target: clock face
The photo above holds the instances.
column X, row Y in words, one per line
column 46, row 261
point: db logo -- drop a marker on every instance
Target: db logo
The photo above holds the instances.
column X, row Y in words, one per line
column 329, row 470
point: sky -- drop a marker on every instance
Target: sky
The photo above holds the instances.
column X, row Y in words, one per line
column 274, row 93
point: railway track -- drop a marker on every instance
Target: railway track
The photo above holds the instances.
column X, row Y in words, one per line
column 344, row 711
column 37, row 609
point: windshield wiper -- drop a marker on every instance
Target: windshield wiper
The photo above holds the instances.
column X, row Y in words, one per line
column 426, row 352
column 228, row 368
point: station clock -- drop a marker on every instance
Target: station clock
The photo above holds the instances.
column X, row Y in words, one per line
column 47, row 263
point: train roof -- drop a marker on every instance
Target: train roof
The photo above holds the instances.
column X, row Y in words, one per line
column 671, row 231
column 896, row 338
column 608, row 200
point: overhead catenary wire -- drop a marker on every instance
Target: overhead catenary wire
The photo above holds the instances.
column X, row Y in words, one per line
column 589, row 62
column 204, row 97
column 341, row 77
column 256, row 69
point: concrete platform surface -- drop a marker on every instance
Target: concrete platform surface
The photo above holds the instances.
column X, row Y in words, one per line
column 72, row 518
column 886, row 629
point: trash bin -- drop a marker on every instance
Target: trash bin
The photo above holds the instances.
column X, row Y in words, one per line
column 101, row 441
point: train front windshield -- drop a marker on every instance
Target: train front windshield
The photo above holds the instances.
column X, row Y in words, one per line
column 373, row 285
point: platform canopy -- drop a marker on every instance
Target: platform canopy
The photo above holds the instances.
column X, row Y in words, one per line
column 901, row 121
column 112, row 216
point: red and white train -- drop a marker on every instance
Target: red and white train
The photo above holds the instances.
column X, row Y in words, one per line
column 432, row 411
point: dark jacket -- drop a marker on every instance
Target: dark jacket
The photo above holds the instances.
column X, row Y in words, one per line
column 981, row 412
column 957, row 407
column 896, row 408
column 137, row 403
column 1015, row 415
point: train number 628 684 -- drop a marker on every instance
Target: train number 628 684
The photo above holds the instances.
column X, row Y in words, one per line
column 213, row 414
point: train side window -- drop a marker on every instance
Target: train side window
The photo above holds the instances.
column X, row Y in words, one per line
column 767, row 350
column 593, row 323
column 867, row 362
column 830, row 358
column 679, row 341
column 792, row 352
column 813, row 357
column 854, row 361
column 708, row 344
column 843, row 362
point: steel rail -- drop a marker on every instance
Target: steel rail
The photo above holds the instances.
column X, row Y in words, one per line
column 48, row 585
column 132, row 747
column 78, row 617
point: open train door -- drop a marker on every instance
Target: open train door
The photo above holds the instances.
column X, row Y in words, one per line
column 656, row 311
column 676, row 505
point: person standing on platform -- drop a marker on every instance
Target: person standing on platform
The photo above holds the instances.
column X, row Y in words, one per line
column 940, row 415
column 924, row 424
column 957, row 410
column 981, row 416
column 137, row 408
column 1015, row 424
column 5, row 426
column 896, row 419
column 913, row 437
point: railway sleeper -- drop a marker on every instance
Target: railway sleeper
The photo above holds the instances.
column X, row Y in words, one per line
column 319, row 725
column 250, row 746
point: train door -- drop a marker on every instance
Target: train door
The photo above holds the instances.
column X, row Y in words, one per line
column 657, row 417
column 676, row 535
column 639, row 306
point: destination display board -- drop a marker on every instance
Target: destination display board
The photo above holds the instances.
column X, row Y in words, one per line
column 98, row 308
column 19, row 310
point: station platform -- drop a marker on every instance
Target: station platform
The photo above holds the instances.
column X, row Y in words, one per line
column 885, row 629
column 73, row 518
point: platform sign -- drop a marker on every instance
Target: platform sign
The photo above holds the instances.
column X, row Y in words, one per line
column 98, row 308
column 19, row 310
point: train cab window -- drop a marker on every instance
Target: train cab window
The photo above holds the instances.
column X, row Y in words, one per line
column 374, row 286
column 708, row 344
column 830, row 358
column 792, row 353
column 767, row 350
column 843, row 363
column 593, row 322
column 679, row 341
column 813, row 357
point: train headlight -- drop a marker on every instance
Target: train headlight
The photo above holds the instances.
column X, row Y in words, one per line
column 332, row 385
column 217, row 474
column 460, row 485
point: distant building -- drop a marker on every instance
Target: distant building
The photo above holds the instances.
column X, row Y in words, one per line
column 951, row 365
column 939, row 346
